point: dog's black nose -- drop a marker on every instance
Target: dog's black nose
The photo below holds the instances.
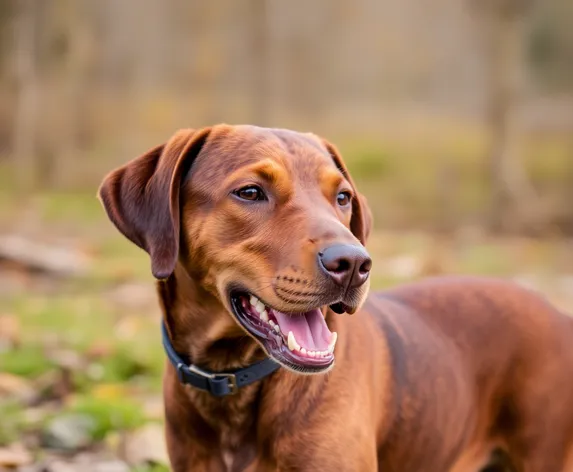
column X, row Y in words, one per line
column 347, row 264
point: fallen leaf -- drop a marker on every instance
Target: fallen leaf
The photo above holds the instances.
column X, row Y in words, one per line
column 110, row 391
column 16, row 386
column 100, row 349
column 127, row 327
column 14, row 456
column 10, row 332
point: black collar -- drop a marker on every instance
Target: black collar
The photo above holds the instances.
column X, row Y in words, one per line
column 218, row 384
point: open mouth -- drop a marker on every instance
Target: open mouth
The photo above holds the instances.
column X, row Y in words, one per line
column 301, row 341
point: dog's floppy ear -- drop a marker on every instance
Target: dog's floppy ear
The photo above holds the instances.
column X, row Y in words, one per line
column 142, row 197
column 361, row 222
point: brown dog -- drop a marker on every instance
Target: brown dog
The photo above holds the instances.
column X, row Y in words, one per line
column 257, row 238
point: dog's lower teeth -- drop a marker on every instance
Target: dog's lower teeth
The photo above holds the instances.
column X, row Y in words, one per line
column 292, row 344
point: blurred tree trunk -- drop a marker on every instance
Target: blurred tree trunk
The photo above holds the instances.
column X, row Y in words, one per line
column 514, row 203
column 569, row 193
column 75, row 30
column 67, row 37
column 259, row 53
column 27, row 104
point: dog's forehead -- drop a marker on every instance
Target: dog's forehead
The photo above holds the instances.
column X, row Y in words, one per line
column 229, row 148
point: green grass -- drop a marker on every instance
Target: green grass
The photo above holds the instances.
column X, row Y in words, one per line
column 108, row 415
column 28, row 360
column 151, row 468
column 13, row 422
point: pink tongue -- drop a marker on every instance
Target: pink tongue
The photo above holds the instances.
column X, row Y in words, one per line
column 309, row 329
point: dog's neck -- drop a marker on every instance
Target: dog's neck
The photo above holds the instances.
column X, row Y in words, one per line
column 201, row 328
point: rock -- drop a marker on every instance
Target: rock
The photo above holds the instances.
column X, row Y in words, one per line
column 69, row 432
column 146, row 445
column 14, row 456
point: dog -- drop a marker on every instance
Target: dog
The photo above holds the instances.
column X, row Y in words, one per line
column 277, row 357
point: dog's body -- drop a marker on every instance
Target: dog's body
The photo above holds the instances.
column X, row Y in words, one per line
column 451, row 374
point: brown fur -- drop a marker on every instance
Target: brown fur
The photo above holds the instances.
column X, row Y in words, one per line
column 447, row 374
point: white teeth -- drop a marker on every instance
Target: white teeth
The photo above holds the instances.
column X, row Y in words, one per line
column 291, row 341
column 311, row 353
column 260, row 306
column 275, row 326
column 293, row 345
column 253, row 300
column 264, row 316
column 332, row 342
column 303, row 351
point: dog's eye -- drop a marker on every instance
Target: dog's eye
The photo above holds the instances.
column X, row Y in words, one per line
column 343, row 198
column 251, row 193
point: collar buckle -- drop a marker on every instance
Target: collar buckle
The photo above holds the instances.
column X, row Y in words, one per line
column 231, row 379
column 231, row 382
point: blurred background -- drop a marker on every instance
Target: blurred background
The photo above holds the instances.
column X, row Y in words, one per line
column 455, row 117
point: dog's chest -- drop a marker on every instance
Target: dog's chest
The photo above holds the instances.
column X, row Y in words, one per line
column 228, row 459
column 233, row 420
column 239, row 459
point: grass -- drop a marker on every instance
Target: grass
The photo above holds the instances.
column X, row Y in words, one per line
column 108, row 414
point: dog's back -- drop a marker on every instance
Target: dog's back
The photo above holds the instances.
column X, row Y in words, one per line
column 480, row 352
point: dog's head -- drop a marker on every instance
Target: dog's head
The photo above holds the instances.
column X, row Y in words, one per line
column 267, row 221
